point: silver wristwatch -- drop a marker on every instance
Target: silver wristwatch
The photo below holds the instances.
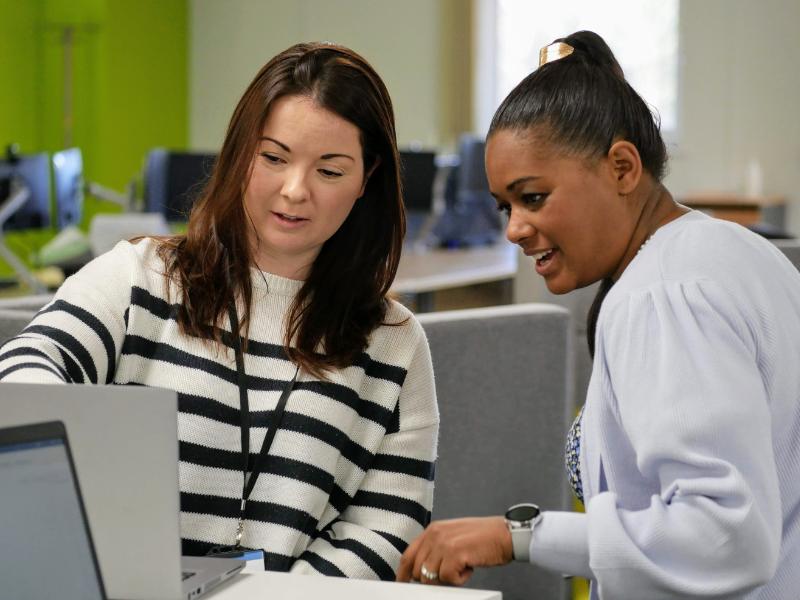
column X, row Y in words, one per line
column 521, row 519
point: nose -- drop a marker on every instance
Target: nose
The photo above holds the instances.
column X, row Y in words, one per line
column 518, row 227
column 295, row 188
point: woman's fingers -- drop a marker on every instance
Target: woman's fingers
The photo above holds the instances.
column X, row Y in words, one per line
column 429, row 570
column 406, row 567
column 450, row 550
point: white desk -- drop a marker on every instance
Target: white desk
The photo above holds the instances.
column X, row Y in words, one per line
column 284, row 586
column 425, row 271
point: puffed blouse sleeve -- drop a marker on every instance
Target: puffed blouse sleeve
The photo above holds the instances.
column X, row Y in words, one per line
column 684, row 366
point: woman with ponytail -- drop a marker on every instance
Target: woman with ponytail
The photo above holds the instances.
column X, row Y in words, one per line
column 685, row 452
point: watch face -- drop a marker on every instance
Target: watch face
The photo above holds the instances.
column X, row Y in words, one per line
column 522, row 512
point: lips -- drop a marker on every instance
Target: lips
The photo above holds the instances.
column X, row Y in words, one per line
column 289, row 218
column 542, row 254
column 544, row 258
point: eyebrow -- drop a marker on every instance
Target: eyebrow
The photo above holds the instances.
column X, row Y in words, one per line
column 510, row 187
column 323, row 157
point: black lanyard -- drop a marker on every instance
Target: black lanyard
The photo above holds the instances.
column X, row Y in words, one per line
column 248, row 483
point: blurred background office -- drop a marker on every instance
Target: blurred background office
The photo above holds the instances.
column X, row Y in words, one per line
column 112, row 111
column 118, row 79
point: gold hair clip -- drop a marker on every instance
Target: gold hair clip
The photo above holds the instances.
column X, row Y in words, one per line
column 554, row 51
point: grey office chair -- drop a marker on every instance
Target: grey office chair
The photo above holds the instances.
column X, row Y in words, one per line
column 503, row 381
column 13, row 321
column 791, row 248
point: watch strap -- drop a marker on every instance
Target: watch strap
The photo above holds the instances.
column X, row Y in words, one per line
column 521, row 542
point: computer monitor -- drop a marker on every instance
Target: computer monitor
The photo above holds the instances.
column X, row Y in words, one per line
column 33, row 171
column 471, row 168
column 68, row 184
column 418, row 170
column 174, row 180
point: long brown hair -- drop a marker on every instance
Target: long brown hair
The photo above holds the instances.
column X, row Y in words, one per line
column 344, row 297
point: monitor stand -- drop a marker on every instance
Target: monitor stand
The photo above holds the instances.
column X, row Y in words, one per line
column 18, row 195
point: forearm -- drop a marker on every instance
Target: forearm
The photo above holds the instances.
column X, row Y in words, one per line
column 560, row 543
column 347, row 550
column 391, row 506
column 27, row 359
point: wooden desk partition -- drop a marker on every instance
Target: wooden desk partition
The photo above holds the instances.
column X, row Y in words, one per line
column 745, row 210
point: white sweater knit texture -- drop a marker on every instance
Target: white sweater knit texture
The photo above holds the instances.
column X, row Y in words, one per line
column 349, row 478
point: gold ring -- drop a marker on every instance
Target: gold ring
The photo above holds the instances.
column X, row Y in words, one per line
column 429, row 575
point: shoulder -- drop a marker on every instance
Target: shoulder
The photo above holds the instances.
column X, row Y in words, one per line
column 125, row 266
column 138, row 255
column 402, row 319
column 696, row 248
column 398, row 338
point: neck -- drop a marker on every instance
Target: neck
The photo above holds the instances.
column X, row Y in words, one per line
column 657, row 208
column 291, row 265
column 281, row 269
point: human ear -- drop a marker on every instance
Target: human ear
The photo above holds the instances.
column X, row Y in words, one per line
column 627, row 166
column 367, row 175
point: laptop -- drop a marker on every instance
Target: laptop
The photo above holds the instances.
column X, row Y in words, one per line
column 124, row 441
column 46, row 549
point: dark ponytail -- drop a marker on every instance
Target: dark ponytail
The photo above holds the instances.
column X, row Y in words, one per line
column 581, row 104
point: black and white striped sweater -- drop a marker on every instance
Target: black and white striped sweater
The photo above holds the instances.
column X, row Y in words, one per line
column 349, row 481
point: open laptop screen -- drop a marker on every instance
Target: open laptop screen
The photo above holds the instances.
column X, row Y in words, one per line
column 46, row 550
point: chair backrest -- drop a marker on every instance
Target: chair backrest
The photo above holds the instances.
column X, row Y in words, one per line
column 503, row 381
column 791, row 248
column 30, row 303
column 577, row 302
column 12, row 321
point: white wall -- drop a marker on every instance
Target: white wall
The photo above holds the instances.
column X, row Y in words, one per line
column 739, row 101
column 232, row 39
column 740, row 76
column 740, row 98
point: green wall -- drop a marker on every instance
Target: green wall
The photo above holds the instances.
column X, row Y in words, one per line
column 129, row 89
column 18, row 86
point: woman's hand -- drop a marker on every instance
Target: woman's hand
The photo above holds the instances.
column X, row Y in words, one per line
column 448, row 551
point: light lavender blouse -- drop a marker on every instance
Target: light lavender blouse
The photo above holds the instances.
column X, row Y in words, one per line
column 690, row 457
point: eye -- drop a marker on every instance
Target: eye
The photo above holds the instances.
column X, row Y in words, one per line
column 330, row 174
column 504, row 208
column 272, row 158
column 533, row 200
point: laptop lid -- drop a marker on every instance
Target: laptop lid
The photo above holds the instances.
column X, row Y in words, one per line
column 125, row 447
column 46, row 549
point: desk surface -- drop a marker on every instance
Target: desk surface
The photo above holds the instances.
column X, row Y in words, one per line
column 285, row 586
column 437, row 269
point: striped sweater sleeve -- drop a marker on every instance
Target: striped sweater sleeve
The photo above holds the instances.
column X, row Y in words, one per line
column 77, row 337
column 394, row 501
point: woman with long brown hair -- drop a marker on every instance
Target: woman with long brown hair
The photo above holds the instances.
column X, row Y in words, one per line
column 307, row 412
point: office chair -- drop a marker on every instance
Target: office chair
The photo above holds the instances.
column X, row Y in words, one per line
column 503, row 423
column 470, row 217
